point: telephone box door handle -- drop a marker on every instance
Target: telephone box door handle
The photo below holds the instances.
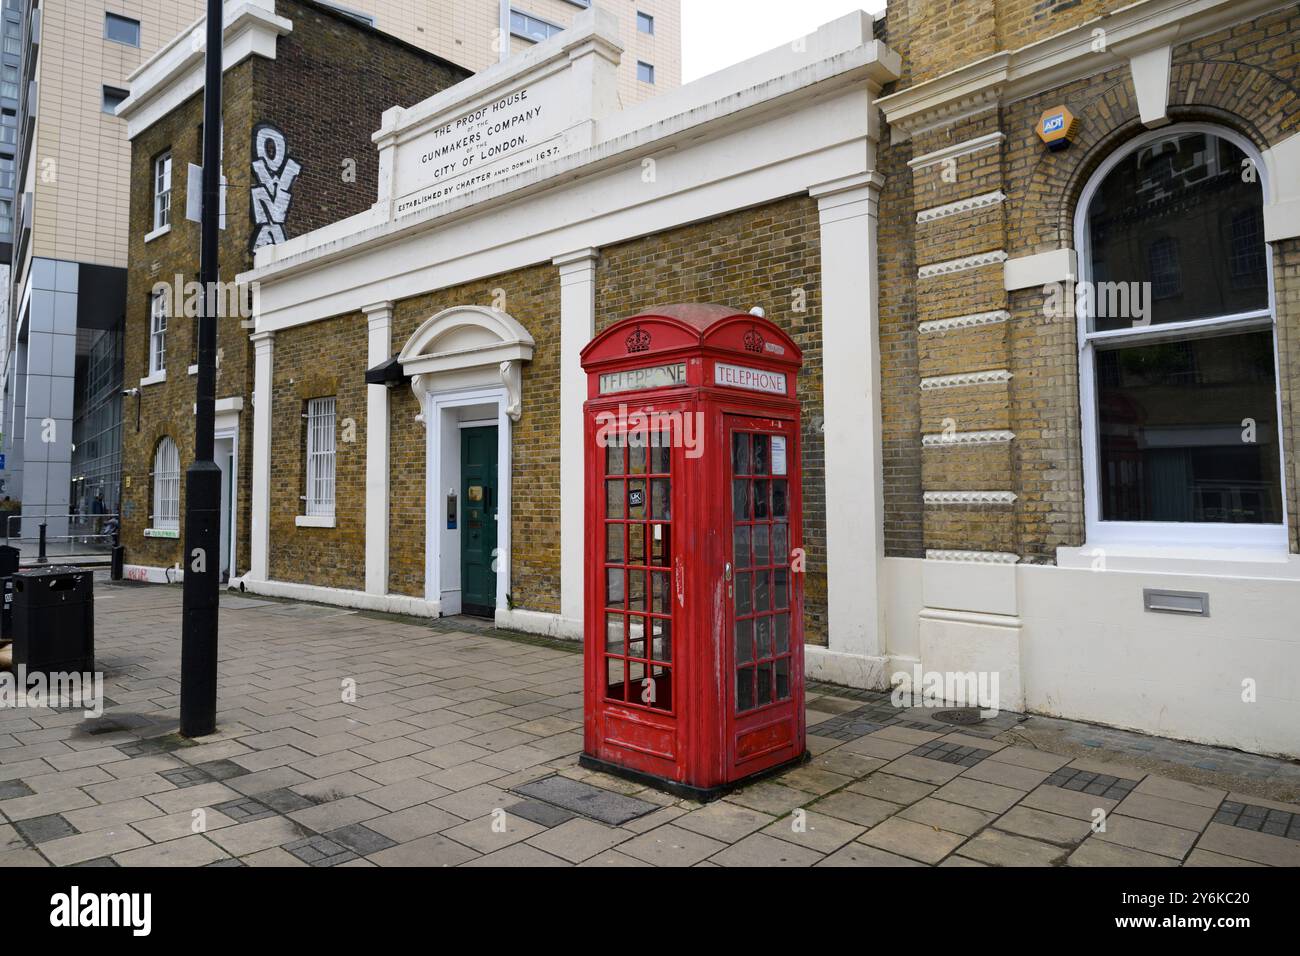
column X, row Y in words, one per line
column 727, row 572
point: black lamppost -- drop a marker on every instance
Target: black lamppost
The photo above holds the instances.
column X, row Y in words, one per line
column 202, row 562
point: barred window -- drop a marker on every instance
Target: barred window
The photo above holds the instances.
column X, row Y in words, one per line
column 320, row 458
column 167, row 486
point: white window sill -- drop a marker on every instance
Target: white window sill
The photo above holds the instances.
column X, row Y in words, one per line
column 154, row 378
column 314, row 521
column 168, row 533
column 160, row 231
column 1217, row 561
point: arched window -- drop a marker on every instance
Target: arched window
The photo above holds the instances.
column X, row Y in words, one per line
column 1178, row 373
column 167, row 487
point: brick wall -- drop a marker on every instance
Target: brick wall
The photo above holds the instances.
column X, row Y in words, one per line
column 364, row 73
column 759, row 257
column 532, row 297
column 1237, row 77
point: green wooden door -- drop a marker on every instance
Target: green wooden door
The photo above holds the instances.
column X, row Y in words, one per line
column 478, row 537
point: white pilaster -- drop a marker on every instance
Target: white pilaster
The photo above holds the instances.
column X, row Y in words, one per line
column 855, row 550
column 577, row 326
column 263, row 364
column 380, row 318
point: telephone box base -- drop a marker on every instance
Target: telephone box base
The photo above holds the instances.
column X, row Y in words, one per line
column 686, row 790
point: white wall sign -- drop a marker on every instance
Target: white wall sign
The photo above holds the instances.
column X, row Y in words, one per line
column 508, row 135
column 752, row 379
column 656, row 376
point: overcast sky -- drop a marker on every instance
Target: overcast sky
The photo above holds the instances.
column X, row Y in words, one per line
column 718, row 33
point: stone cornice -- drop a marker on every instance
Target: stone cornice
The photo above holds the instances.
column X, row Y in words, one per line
column 1071, row 55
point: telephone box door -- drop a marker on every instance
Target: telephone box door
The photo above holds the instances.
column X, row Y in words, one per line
column 764, row 595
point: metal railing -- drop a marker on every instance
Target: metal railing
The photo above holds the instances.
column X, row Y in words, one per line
column 86, row 533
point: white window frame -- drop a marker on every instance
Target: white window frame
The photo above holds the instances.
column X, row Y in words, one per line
column 162, row 191
column 166, row 487
column 157, row 334
column 1166, row 534
column 321, row 419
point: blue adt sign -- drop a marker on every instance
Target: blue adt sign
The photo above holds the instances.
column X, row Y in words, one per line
column 2, row 462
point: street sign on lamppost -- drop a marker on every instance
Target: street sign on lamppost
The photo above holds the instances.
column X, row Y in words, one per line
column 203, row 478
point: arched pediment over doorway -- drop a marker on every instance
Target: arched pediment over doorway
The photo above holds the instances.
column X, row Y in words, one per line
column 468, row 345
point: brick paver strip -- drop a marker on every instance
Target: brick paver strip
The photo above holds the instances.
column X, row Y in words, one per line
column 10, row 789
column 586, row 800
column 951, row 753
column 1101, row 785
column 320, row 851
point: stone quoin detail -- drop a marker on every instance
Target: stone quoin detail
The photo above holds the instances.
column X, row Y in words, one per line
column 969, row 438
column 961, row 205
column 965, row 378
column 970, row 497
column 936, row 326
column 963, row 264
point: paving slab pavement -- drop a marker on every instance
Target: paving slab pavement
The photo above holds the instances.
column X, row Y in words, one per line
column 350, row 739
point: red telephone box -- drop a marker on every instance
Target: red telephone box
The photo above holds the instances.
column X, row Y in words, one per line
column 694, row 610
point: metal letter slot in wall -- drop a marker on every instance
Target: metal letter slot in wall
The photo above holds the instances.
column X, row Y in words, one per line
column 1195, row 603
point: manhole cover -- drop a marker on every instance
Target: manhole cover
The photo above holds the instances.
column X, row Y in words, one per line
column 965, row 717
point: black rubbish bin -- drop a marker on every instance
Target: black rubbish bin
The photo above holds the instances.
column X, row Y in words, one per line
column 54, row 620
column 8, row 568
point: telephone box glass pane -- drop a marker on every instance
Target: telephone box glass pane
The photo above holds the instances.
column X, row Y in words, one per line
column 660, row 603
column 780, row 588
column 740, row 454
column 780, row 502
column 783, row 679
column 763, row 637
column 741, row 548
column 615, row 595
column 740, row 500
column 614, row 460
column 782, row 627
column 663, row 688
column 614, row 678
column 762, row 552
column 744, row 642
column 636, row 596
column 636, row 544
column 761, row 512
column 614, row 633
column 636, row 498
column 635, row 679
column 661, row 457
column 614, row 499
column 636, row 637
column 638, row 458
column 662, row 645
column 745, row 688
column 660, row 498
column 744, row 594
column 764, row 684
column 762, row 591
column 661, row 550
column 780, row 543
column 614, row 544
column 761, row 460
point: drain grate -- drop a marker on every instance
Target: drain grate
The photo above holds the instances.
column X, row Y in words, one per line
column 966, row 717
